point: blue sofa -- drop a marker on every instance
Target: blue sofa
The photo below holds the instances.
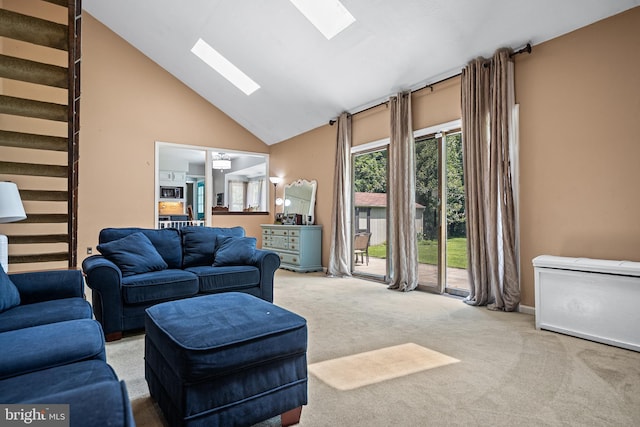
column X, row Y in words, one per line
column 140, row 267
column 53, row 352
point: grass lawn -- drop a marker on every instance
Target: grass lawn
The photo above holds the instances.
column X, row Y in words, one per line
column 428, row 251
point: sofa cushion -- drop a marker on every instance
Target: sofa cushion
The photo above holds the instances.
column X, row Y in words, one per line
column 56, row 344
column 159, row 286
column 43, row 313
column 9, row 295
column 218, row 279
column 234, row 251
column 166, row 241
column 133, row 254
column 199, row 243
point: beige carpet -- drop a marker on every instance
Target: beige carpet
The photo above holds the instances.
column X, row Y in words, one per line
column 509, row 373
column 359, row 370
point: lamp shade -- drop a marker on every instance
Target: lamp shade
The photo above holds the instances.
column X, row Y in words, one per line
column 221, row 161
column 221, row 164
column 11, row 208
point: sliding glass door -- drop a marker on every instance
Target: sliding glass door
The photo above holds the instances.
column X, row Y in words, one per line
column 439, row 211
column 440, row 215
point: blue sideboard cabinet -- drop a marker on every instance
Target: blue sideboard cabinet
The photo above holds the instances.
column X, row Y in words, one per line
column 299, row 246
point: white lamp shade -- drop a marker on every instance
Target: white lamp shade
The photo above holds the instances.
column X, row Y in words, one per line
column 275, row 180
column 221, row 161
column 11, row 208
column 221, row 164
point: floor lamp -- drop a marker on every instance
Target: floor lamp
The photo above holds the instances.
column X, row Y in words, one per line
column 275, row 180
column 11, row 210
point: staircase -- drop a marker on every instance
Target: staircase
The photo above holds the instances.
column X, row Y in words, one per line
column 39, row 127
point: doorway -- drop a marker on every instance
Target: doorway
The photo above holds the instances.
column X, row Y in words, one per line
column 440, row 213
column 370, row 214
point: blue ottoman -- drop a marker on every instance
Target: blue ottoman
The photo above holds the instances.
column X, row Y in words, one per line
column 227, row 359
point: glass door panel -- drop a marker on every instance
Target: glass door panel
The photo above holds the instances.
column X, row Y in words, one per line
column 457, row 281
column 370, row 214
column 427, row 195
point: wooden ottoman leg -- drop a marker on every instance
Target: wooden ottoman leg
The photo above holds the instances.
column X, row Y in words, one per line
column 291, row 417
column 113, row 336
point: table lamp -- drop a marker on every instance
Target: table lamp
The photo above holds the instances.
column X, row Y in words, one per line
column 11, row 210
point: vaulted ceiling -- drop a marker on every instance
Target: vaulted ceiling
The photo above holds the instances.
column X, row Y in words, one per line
column 306, row 80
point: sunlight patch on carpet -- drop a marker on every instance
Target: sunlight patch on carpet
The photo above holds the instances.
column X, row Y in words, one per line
column 358, row 370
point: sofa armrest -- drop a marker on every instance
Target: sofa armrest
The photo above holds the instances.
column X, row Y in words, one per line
column 105, row 403
column 41, row 286
column 105, row 280
column 46, row 346
column 267, row 262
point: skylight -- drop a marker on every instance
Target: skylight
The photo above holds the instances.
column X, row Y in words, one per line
column 222, row 65
column 328, row 16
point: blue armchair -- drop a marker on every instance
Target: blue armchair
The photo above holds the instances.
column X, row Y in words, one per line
column 44, row 297
column 53, row 352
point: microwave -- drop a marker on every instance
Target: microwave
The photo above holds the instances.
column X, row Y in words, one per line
column 171, row 192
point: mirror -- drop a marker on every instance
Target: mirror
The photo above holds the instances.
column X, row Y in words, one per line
column 234, row 182
column 300, row 198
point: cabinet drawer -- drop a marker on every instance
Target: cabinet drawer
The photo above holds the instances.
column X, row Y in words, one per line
column 275, row 232
column 290, row 259
column 278, row 242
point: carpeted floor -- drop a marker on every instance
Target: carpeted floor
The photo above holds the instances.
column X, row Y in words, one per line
column 508, row 372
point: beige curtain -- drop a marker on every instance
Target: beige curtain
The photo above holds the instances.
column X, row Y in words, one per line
column 340, row 251
column 487, row 104
column 402, row 200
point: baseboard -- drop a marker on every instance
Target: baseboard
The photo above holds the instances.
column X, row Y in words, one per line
column 527, row 310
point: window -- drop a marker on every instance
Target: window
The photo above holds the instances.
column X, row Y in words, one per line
column 236, row 195
column 254, row 194
column 200, row 200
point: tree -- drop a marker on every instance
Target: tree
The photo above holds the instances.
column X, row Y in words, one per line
column 427, row 185
column 456, row 216
column 370, row 172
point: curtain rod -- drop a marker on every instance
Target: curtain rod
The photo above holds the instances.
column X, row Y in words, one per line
column 526, row 49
